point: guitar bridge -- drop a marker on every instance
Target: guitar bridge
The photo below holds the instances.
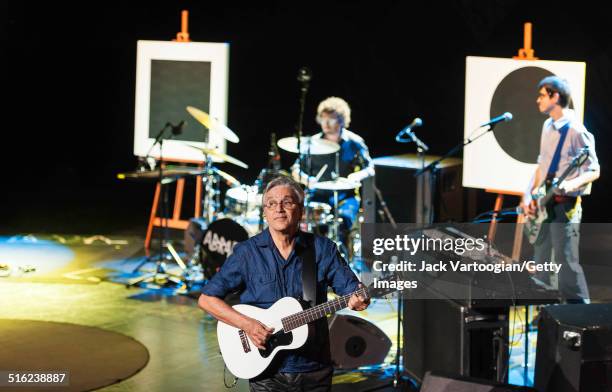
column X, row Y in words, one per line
column 246, row 346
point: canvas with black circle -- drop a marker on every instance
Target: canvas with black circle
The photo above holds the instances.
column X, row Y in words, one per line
column 517, row 94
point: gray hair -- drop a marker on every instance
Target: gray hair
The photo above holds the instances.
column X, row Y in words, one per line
column 289, row 182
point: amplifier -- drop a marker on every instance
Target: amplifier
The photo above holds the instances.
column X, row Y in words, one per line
column 400, row 190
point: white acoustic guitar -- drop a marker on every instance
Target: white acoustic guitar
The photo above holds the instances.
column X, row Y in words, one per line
column 289, row 321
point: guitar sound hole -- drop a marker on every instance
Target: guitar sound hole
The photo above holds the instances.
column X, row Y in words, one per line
column 277, row 339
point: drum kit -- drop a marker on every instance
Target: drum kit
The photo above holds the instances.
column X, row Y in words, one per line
column 241, row 216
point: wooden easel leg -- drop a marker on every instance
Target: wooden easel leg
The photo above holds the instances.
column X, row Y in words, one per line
column 178, row 199
column 499, row 202
column 198, row 197
column 518, row 237
column 147, row 244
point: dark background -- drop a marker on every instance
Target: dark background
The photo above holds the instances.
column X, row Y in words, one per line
column 69, row 86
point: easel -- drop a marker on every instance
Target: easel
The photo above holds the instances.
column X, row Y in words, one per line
column 175, row 222
column 183, row 35
column 520, row 220
column 525, row 53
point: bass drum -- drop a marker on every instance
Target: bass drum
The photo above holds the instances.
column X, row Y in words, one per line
column 218, row 243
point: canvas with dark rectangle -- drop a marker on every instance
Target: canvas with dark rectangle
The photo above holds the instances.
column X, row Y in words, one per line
column 174, row 86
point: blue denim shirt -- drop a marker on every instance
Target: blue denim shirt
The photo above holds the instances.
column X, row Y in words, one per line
column 257, row 269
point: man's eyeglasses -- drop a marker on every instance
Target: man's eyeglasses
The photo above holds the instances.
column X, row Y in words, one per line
column 286, row 204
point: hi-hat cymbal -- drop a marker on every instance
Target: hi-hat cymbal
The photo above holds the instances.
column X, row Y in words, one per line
column 315, row 145
column 339, row 184
column 213, row 152
column 213, row 124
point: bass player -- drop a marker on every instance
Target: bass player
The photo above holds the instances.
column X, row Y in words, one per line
column 562, row 139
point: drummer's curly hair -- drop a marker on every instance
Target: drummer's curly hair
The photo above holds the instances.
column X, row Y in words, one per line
column 287, row 181
column 336, row 105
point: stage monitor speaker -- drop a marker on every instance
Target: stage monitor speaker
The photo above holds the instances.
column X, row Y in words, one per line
column 446, row 336
column 574, row 351
column 356, row 342
column 399, row 188
column 438, row 383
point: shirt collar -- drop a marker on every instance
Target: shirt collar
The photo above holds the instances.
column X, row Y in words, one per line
column 566, row 118
column 264, row 239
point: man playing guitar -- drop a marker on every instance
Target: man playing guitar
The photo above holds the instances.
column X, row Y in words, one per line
column 562, row 139
column 268, row 267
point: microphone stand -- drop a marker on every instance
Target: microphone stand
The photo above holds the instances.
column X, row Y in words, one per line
column 304, row 78
column 422, row 148
column 433, row 166
column 160, row 270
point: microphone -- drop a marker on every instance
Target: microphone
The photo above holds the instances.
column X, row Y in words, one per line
column 177, row 129
column 304, row 75
column 417, row 122
column 504, row 117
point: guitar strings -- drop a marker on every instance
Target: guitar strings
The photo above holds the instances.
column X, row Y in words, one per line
column 300, row 317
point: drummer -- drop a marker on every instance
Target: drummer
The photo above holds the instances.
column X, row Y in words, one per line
column 355, row 163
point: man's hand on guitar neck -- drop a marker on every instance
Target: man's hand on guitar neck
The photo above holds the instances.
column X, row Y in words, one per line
column 529, row 208
column 258, row 332
column 359, row 302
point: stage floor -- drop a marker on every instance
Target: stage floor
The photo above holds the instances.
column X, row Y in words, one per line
column 81, row 280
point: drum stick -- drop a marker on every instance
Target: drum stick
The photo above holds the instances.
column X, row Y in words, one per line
column 320, row 173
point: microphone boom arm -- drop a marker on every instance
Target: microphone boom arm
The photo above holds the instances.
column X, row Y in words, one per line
column 433, row 165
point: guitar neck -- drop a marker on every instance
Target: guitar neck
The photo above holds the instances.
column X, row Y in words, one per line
column 573, row 165
column 316, row 312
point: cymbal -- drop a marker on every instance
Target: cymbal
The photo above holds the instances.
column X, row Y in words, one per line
column 339, row 184
column 213, row 124
column 317, row 146
column 213, row 152
column 227, row 177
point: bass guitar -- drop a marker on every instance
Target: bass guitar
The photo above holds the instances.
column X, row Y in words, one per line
column 543, row 197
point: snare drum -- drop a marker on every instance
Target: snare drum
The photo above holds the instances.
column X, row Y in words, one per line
column 318, row 213
column 242, row 199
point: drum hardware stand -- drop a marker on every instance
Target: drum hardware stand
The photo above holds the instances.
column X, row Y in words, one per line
column 335, row 229
column 210, row 203
column 161, row 276
column 274, row 164
column 310, row 224
column 304, row 76
column 210, row 207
